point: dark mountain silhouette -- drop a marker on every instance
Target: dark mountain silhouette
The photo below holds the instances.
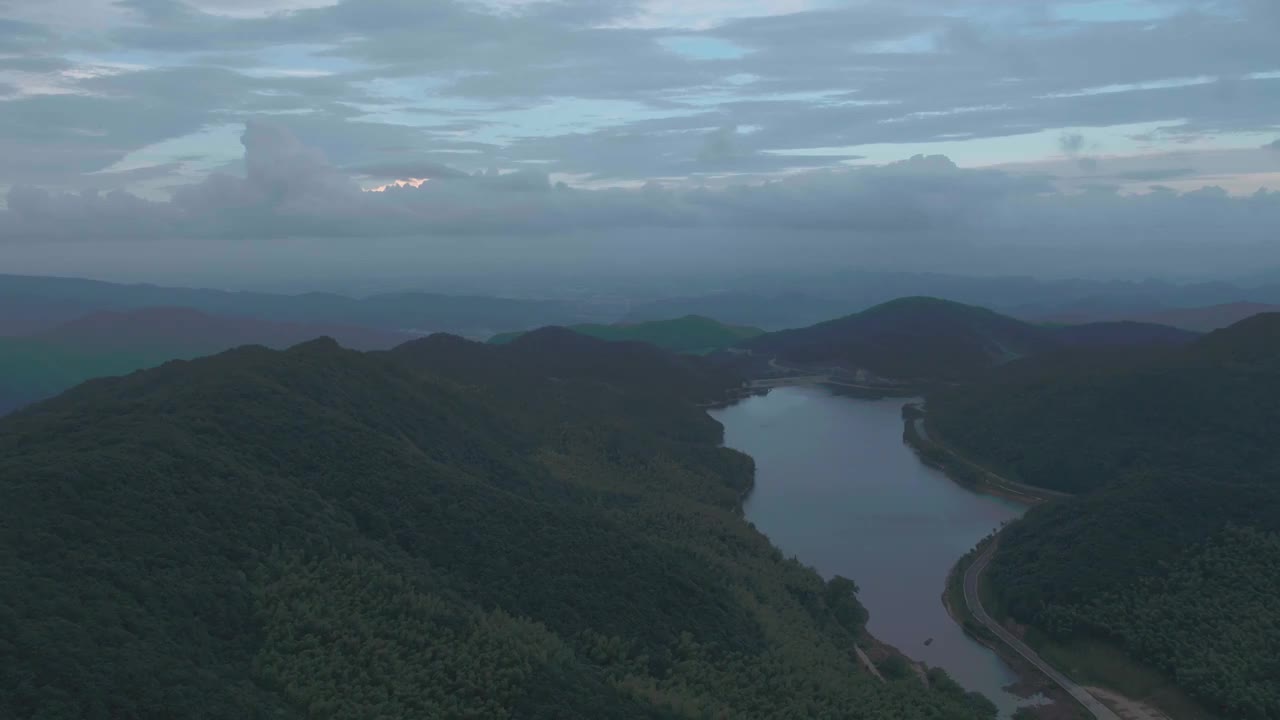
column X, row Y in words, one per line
column 921, row 338
column 909, row 338
column 1254, row 341
column 1121, row 334
column 1214, row 317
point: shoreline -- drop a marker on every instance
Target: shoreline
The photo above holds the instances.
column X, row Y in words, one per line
column 973, row 476
column 1031, row 681
column 963, row 471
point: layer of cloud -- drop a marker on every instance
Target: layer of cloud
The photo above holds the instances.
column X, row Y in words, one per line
column 920, row 211
column 597, row 90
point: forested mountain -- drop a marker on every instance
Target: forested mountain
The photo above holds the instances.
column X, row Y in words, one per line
column 690, row 334
column 1172, row 551
column 909, row 338
column 922, row 338
column 41, row 365
column 1121, row 334
column 546, row 529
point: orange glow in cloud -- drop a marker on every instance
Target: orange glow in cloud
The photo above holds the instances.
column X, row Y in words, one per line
column 407, row 182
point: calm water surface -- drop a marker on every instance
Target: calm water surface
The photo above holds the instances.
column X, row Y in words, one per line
column 837, row 488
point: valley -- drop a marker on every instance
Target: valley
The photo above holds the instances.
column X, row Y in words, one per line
column 602, row 422
column 639, row 360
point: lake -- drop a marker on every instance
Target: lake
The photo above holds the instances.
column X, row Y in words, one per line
column 837, row 488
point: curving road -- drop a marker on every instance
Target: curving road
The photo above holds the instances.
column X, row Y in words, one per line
column 974, row 603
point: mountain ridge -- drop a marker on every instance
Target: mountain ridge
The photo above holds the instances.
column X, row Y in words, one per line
column 925, row 338
column 695, row 334
column 544, row 530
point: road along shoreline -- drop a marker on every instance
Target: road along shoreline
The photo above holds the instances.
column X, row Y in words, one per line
column 978, row 622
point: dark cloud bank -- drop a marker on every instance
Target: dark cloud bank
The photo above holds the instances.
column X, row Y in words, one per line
column 923, row 213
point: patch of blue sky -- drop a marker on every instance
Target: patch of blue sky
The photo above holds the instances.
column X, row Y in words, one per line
column 302, row 58
column 1114, row 10
column 714, row 97
column 1131, row 87
column 916, row 43
column 557, row 116
column 206, row 149
column 297, row 60
column 979, row 152
column 703, row 47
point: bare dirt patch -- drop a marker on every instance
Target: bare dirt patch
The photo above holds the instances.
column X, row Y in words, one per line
column 1125, row 707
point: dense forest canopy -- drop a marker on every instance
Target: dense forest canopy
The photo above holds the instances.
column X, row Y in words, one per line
column 548, row 529
column 923, row 338
column 1171, row 548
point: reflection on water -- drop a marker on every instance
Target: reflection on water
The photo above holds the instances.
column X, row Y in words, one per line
column 837, row 488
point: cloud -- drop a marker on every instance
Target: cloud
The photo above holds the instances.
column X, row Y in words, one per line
column 718, row 147
column 405, row 169
column 1273, row 145
column 1154, row 174
column 1071, row 143
column 924, row 212
column 435, row 75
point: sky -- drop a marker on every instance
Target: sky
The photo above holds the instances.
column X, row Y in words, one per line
column 1097, row 137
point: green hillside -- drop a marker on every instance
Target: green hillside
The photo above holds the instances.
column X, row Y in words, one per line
column 1172, row 549
column 691, row 334
column 548, row 529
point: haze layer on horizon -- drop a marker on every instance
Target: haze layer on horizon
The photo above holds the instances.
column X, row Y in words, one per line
column 153, row 139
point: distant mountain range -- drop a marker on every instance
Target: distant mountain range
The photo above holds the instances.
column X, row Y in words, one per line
column 62, row 331
column 33, row 304
column 1206, row 319
column 784, row 303
column 184, row 327
column 1198, row 319
column 691, row 334
column 768, row 311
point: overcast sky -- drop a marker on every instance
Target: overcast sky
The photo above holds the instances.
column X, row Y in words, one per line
column 1041, row 136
